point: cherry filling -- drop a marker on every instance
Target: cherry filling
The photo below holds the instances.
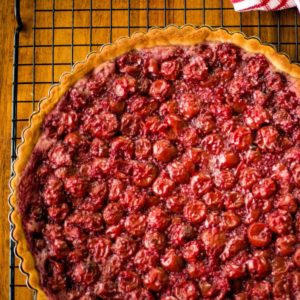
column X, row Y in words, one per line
column 169, row 173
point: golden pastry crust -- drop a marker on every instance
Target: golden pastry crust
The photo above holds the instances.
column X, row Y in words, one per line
column 172, row 35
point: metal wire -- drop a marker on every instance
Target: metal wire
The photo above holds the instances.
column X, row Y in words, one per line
column 296, row 36
column 72, row 35
column 14, row 134
column 91, row 23
column 150, row 9
column 53, row 39
column 278, row 31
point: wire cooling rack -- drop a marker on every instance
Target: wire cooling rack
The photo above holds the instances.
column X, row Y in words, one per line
column 53, row 34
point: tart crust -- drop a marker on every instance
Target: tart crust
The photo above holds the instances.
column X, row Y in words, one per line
column 172, row 35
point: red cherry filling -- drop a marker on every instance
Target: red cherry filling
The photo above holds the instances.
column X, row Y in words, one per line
column 169, row 173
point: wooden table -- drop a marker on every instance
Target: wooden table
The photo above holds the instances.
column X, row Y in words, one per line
column 63, row 55
column 6, row 50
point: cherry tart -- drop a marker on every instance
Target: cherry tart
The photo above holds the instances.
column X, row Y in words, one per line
column 170, row 170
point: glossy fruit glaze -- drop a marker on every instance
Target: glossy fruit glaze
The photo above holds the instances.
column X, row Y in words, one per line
column 169, row 173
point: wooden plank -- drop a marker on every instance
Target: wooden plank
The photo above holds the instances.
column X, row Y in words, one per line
column 6, row 50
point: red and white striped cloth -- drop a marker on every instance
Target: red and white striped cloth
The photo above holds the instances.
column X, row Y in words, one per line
column 244, row 5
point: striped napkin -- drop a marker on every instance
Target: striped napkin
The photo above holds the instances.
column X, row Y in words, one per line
column 245, row 5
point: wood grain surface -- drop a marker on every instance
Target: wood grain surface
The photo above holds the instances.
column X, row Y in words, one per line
column 6, row 49
column 53, row 37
